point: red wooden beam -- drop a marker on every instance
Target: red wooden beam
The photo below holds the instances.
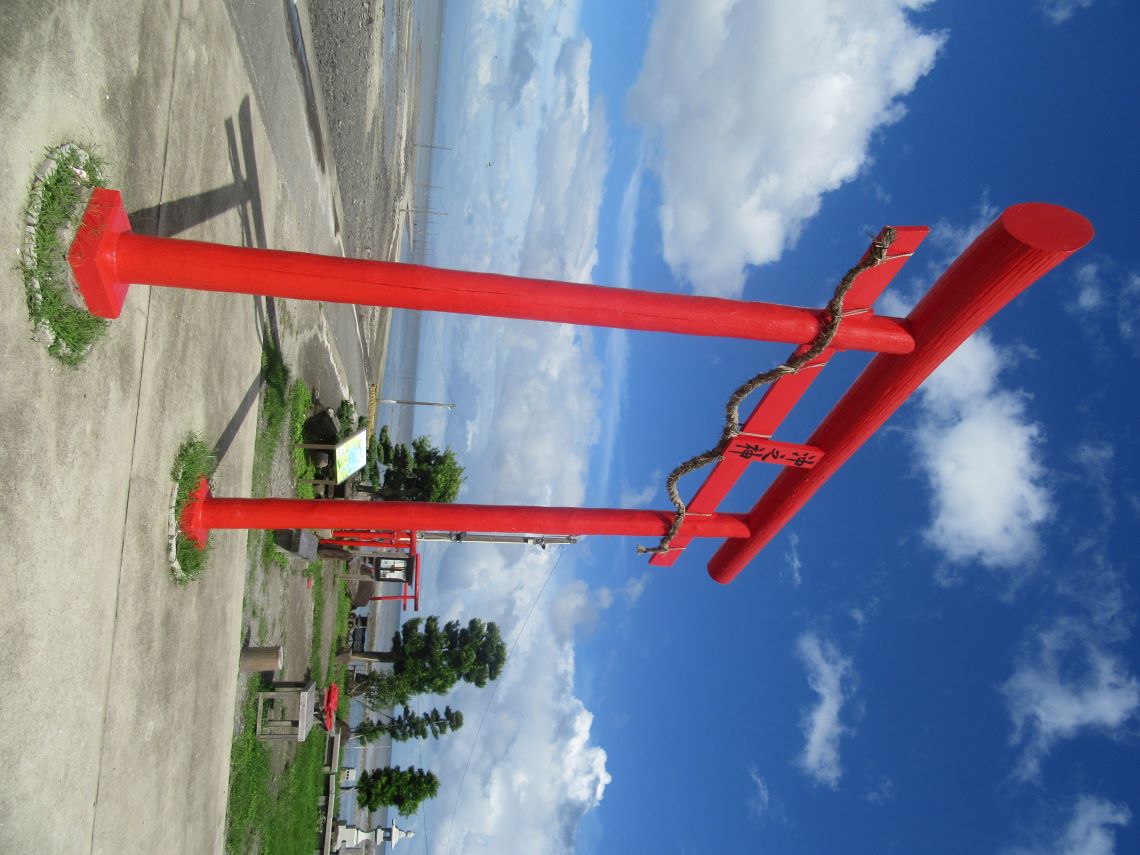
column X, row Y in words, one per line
column 1021, row 246
column 106, row 255
column 206, row 512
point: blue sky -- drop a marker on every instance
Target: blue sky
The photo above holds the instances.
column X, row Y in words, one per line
column 940, row 653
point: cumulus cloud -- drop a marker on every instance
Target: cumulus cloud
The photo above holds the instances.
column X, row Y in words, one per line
column 980, row 452
column 533, row 772
column 1059, row 11
column 524, row 191
column 758, row 109
column 829, row 674
column 1066, row 684
column 1091, row 830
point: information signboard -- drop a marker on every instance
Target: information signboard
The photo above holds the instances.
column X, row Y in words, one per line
column 351, row 455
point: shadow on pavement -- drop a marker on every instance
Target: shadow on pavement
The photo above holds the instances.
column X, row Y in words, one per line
column 243, row 194
column 167, row 219
column 248, row 402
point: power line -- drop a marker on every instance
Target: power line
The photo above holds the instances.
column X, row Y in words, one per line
column 491, row 699
column 438, row 358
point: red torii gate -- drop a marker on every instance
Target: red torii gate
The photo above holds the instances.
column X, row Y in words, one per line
column 1021, row 245
column 394, row 540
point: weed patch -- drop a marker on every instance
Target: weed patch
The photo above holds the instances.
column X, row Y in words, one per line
column 56, row 201
column 273, row 409
column 194, row 461
column 300, row 406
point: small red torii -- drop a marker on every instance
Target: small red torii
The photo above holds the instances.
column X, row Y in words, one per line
column 1024, row 243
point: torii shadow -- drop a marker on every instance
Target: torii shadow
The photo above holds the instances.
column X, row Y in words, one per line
column 243, row 194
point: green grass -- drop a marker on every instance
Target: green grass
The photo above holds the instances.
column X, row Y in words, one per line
column 58, row 204
column 300, row 406
column 293, row 817
column 248, row 809
column 318, row 655
column 285, row 822
column 195, row 460
column 273, row 409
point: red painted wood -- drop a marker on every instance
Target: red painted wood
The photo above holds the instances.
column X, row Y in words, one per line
column 125, row 257
column 207, row 512
column 786, row 392
column 1022, row 245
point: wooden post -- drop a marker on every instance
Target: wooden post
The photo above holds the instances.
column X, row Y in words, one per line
column 261, row 659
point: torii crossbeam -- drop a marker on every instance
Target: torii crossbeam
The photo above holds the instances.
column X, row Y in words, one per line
column 1024, row 243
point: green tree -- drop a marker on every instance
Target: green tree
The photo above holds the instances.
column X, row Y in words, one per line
column 420, row 473
column 409, row 725
column 428, row 658
column 403, row 789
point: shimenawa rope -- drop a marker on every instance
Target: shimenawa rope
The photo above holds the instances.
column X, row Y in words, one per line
column 832, row 317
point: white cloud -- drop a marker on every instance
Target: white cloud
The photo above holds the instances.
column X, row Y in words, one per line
column 829, row 674
column 635, row 587
column 1128, row 312
column 1067, row 684
column 575, row 606
column 758, row 109
column 533, row 772
column 759, row 799
column 980, row 452
column 635, row 497
column 881, row 792
column 976, row 444
column 1090, row 831
column 617, row 341
column 530, row 150
column 1106, row 304
column 792, row 557
column 1090, row 296
column 1059, row 11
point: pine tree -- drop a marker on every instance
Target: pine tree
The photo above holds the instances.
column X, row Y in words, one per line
column 403, row 789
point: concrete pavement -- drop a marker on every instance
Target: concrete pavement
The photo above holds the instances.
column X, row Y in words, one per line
column 118, row 686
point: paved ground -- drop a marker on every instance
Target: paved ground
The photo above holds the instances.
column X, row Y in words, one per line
column 118, row 687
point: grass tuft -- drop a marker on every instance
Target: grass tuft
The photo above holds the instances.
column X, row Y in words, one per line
column 300, row 406
column 195, row 460
column 273, row 408
column 56, row 202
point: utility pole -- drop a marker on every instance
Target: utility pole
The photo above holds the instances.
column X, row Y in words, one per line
column 415, row 403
